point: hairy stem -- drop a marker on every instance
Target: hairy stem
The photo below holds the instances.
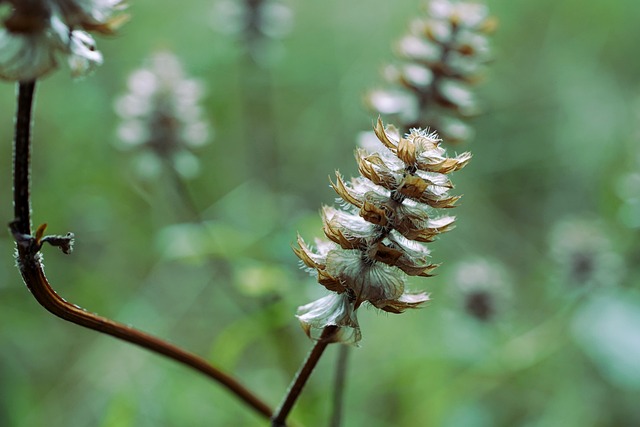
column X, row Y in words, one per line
column 31, row 269
column 339, row 386
column 280, row 416
column 22, row 158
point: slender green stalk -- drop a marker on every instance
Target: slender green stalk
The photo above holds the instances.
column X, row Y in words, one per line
column 339, row 386
column 280, row 416
column 31, row 268
column 182, row 190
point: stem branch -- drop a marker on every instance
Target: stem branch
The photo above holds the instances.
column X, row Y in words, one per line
column 31, row 269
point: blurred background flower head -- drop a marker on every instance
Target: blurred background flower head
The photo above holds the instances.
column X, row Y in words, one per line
column 162, row 117
column 35, row 34
column 482, row 287
column 439, row 60
column 583, row 253
column 259, row 23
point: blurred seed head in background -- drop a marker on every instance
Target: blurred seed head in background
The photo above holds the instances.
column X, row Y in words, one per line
column 35, row 35
column 482, row 288
column 440, row 58
column 162, row 118
column 259, row 23
column 584, row 255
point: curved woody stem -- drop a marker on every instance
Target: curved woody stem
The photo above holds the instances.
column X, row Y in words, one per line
column 31, row 269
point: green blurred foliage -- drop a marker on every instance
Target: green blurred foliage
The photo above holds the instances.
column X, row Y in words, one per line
column 559, row 133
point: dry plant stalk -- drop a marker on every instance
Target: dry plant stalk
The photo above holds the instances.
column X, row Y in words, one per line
column 32, row 39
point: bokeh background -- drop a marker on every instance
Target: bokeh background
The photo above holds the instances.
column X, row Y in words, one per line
column 535, row 319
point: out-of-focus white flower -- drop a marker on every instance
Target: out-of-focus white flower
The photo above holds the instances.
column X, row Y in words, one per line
column 441, row 57
column 259, row 23
column 462, row 13
column 483, row 287
column 271, row 18
column 583, row 252
column 161, row 113
column 36, row 34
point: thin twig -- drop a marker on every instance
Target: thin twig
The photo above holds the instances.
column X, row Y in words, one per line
column 31, row 268
column 261, row 138
column 280, row 416
column 339, row 386
column 183, row 192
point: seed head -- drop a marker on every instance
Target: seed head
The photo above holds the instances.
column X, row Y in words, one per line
column 441, row 57
column 259, row 23
column 36, row 33
column 378, row 238
column 161, row 114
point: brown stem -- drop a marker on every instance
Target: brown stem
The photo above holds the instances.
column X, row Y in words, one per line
column 22, row 158
column 280, row 416
column 31, row 268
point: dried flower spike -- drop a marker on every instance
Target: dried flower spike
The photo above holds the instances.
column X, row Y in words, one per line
column 35, row 33
column 161, row 114
column 441, row 57
column 378, row 238
column 260, row 23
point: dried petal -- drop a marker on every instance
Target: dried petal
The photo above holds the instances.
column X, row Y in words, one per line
column 384, row 137
column 413, row 187
column 344, row 192
column 404, row 302
column 415, row 224
column 332, row 310
column 385, row 254
column 367, row 280
column 374, row 214
column 375, row 169
column 414, row 260
column 347, row 230
column 308, row 257
column 331, row 283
